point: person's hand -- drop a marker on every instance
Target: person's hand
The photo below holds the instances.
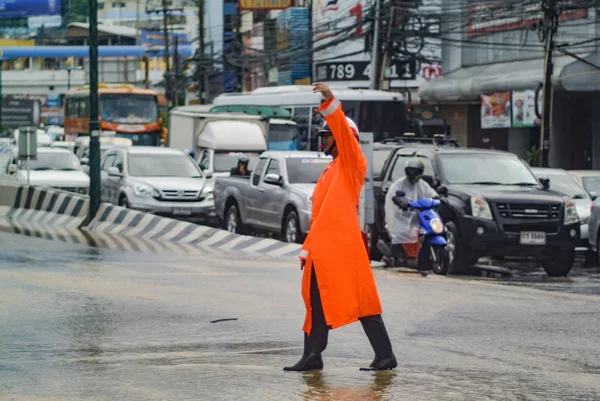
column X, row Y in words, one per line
column 323, row 89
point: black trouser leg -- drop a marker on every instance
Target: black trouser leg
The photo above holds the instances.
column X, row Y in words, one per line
column 380, row 341
column 316, row 342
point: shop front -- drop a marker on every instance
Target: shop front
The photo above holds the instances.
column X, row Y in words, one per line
column 504, row 116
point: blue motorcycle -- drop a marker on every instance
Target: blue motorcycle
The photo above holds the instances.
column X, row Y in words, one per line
column 433, row 237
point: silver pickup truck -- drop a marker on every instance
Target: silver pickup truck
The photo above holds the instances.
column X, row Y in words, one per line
column 276, row 197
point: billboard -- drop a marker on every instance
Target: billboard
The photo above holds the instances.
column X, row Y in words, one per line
column 523, row 108
column 261, row 5
column 495, row 110
column 346, row 23
column 485, row 17
column 28, row 8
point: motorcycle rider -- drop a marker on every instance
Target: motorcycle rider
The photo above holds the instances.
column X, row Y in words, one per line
column 242, row 167
column 402, row 225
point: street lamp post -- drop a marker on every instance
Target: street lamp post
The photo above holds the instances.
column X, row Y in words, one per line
column 94, row 123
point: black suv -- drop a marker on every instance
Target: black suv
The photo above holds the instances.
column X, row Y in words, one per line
column 496, row 207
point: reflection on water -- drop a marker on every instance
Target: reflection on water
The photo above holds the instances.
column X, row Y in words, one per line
column 319, row 389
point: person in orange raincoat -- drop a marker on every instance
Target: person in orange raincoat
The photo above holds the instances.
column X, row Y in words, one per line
column 338, row 286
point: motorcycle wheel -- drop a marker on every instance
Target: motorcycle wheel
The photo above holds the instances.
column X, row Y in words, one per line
column 439, row 259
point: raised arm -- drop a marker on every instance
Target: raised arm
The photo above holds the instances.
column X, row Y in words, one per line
column 354, row 163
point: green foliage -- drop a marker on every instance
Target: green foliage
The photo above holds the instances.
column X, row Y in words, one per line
column 533, row 156
column 75, row 11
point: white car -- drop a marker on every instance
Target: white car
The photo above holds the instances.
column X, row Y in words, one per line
column 54, row 167
column 156, row 180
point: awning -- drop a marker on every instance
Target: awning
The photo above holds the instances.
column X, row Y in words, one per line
column 467, row 84
column 581, row 77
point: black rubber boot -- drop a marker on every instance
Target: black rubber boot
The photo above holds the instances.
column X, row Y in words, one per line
column 380, row 341
column 311, row 359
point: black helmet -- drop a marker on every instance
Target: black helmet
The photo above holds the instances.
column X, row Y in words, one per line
column 413, row 169
column 243, row 159
column 324, row 130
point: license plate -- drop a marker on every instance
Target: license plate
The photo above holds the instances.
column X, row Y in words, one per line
column 533, row 238
column 182, row 211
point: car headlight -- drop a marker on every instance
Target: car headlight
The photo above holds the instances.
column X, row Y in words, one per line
column 83, row 191
column 208, row 193
column 480, row 208
column 145, row 191
column 571, row 212
column 437, row 226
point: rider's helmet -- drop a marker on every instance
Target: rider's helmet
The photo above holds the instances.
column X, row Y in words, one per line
column 413, row 169
column 243, row 159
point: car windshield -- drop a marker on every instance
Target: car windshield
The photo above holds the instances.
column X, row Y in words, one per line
column 485, row 169
column 379, row 158
column 128, row 108
column 283, row 136
column 165, row 165
column 62, row 161
column 563, row 183
column 591, row 184
column 305, row 170
column 224, row 162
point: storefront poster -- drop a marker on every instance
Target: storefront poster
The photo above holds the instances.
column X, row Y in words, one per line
column 523, row 109
column 495, row 110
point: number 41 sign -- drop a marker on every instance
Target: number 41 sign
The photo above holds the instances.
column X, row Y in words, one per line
column 361, row 71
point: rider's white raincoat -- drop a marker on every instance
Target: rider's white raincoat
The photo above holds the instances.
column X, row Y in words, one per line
column 403, row 227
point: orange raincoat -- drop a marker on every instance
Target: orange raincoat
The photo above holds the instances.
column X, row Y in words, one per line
column 334, row 246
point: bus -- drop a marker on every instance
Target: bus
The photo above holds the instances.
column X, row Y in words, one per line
column 125, row 111
column 380, row 112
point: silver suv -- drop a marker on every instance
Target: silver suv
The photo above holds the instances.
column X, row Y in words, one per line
column 156, row 180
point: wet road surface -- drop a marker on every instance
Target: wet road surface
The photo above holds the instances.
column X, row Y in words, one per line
column 79, row 323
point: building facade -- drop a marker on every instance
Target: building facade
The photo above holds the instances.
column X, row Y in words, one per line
column 493, row 62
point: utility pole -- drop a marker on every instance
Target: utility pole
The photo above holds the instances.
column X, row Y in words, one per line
column 1, row 66
column 167, row 55
column 176, row 72
column 375, row 52
column 202, row 62
column 238, row 27
column 548, row 29
column 94, row 123
column 165, row 12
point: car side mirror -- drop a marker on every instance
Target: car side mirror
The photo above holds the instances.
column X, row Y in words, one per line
column 84, row 161
column 274, row 179
column 429, row 180
column 114, row 172
column 545, row 183
column 12, row 169
column 442, row 190
column 208, row 174
column 593, row 195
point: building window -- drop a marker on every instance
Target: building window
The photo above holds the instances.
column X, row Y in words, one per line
column 118, row 4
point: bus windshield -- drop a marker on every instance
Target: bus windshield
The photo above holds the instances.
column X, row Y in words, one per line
column 283, row 137
column 128, row 108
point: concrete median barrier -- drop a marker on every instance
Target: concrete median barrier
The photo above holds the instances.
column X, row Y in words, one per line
column 118, row 222
column 59, row 215
column 41, row 212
